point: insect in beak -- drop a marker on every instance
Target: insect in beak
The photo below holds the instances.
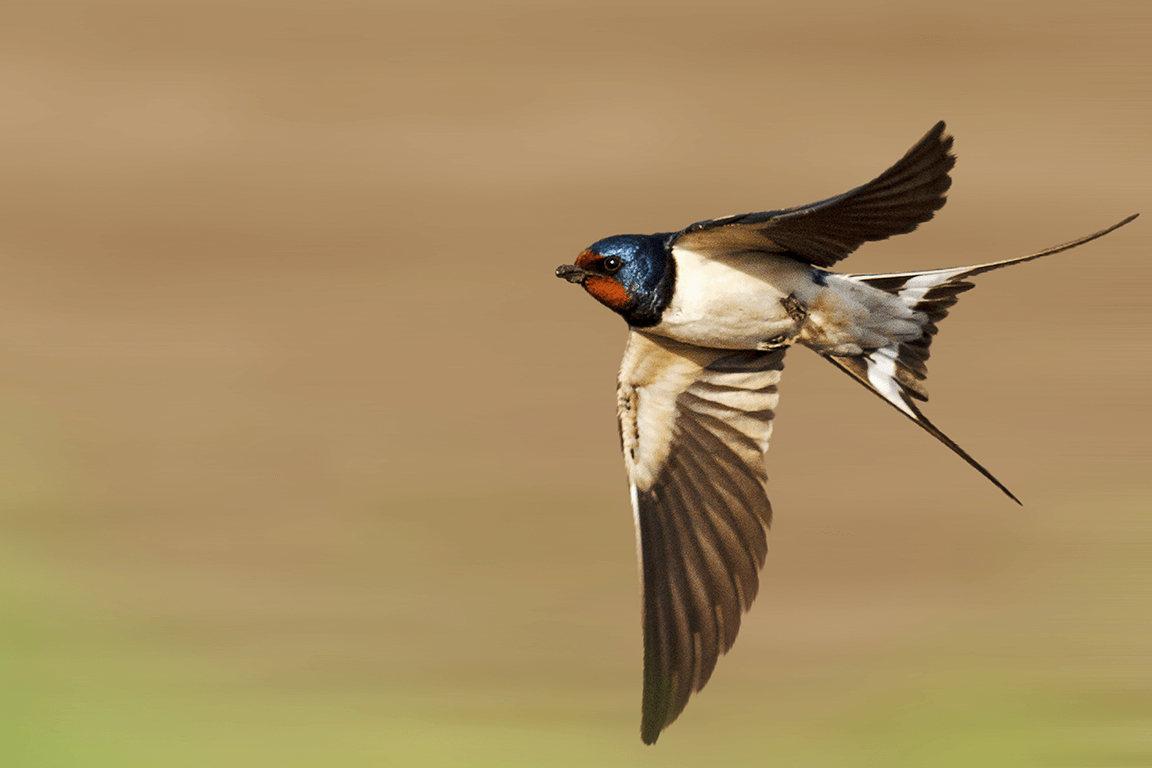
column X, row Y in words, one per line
column 571, row 273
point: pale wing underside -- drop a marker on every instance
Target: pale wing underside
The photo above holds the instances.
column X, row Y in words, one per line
column 694, row 426
column 821, row 233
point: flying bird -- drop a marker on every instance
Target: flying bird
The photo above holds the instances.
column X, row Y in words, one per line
column 712, row 309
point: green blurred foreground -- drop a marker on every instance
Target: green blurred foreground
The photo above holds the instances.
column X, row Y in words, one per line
column 86, row 682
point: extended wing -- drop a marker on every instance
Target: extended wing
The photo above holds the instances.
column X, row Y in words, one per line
column 894, row 203
column 694, row 427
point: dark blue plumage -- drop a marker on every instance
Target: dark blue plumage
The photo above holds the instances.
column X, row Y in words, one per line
column 647, row 273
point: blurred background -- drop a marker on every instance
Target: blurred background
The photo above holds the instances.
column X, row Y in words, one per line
column 306, row 458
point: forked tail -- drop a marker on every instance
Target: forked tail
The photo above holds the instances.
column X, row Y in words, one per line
column 897, row 372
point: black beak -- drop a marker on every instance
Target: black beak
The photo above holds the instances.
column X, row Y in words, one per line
column 571, row 273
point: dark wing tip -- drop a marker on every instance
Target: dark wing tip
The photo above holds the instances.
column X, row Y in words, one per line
column 657, row 703
column 894, row 203
column 653, row 722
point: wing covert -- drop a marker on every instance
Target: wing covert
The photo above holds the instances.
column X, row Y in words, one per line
column 694, row 425
column 822, row 233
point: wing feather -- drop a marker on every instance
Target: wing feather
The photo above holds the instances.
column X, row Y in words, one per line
column 700, row 504
column 822, row 233
column 740, row 564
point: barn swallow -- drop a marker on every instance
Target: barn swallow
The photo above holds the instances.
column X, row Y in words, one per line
column 712, row 309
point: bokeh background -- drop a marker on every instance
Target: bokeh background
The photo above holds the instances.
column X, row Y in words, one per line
column 306, row 458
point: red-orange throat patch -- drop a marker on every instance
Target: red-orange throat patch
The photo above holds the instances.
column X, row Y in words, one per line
column 607, row 291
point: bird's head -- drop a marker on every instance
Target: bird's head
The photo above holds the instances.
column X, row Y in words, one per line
column 633, row 275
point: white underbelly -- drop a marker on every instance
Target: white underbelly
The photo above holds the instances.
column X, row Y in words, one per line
column 732, row 302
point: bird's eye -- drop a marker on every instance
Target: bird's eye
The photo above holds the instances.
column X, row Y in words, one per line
column 612, row 264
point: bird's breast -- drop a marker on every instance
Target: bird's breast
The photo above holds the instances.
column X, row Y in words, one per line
column 733, row 302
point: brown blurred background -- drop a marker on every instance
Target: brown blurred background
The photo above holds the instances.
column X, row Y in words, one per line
column 306, row 458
